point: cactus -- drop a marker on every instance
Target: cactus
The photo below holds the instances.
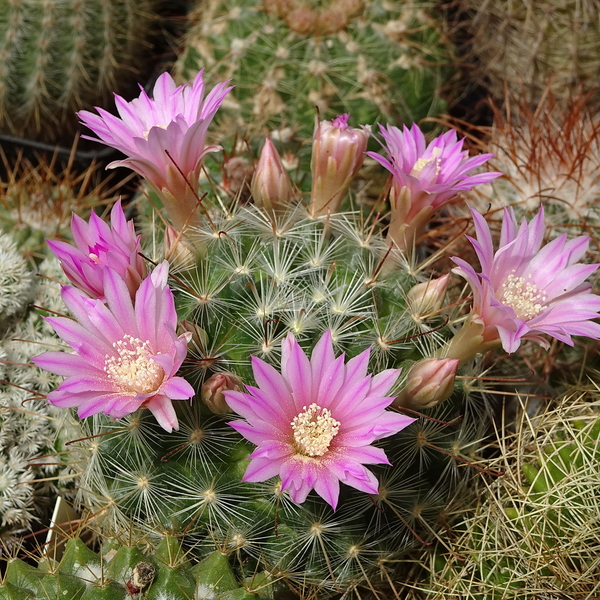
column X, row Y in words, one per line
column 29, row 427
column 533, row 44
column 57, row 57
column 548, row 156
column 121, row 570
column 375, row 60
column 256, row 282
column 535, row 533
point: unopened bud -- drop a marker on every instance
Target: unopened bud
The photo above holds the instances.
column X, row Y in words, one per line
column 428, row 297
column 199, row 337
column 271, row 185
column 337, row 155
column 213, row 388
column 429, row 382
column 177, row 252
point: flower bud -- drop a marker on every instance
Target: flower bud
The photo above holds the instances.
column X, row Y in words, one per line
column 177, row 252
column 429, row 382
column 213, row 388
column 198, row 337
column 428, row 297
column 338, row 153
column 271, row 185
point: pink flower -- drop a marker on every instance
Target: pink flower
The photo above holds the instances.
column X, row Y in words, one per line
column 125, row 356
column 99, row 247
column 337, row 155
column 424, row 177
column 157, row 134
column 314, row 423
column 525, row 290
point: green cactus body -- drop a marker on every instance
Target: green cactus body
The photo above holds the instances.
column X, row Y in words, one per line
column 121, row 571
column 375, row 60
column 536, row 531
column 256, row 281
column 58, row 56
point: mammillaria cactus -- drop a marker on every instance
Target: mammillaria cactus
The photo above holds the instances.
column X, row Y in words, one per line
column 259, row 290
column 375, row 60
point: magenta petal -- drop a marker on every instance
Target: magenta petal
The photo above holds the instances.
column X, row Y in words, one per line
column 340, row 394
column 261, row 469
column 177, row 388
column 162, row 408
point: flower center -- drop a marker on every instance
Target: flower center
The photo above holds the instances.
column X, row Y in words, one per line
column 133, row 369
column 423, row 162
column 314, row 428
column 523, row 296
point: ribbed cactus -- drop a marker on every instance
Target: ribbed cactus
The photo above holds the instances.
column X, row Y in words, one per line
column 57, row 57
column 121, row 570
column 532, row 44
column 377, row 60
column 535, row 533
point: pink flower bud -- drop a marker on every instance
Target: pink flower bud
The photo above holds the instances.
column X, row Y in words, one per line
column 429, row 382
column 177, row 252
column 428, row 297
column 338, row 153
column 213, row 388
column 271, row 185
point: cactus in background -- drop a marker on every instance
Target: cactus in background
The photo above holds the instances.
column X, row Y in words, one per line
column 37, row 201
column 536, row 532
column 549, row 155
column 29, row 427
column 376, row 60
column 121, row 570
column 57, row 57
column 533, row 44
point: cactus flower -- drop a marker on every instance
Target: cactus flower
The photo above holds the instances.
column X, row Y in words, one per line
column 424, row 177
column 99, row 247
column 163, row 138
column 525, row 290
column 429, row 382
column 314, row 422
column 126, row 355
column 271, row 185
column 337, row 155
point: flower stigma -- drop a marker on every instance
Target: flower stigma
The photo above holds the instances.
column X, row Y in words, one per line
column 133, row 369
column 314, row 428
column 523, row 296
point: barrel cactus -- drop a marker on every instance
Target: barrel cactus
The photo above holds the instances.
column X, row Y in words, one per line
column 376, row 60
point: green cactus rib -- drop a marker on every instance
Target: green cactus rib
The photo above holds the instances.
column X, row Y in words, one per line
column 256, row 281
column 58, row 56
